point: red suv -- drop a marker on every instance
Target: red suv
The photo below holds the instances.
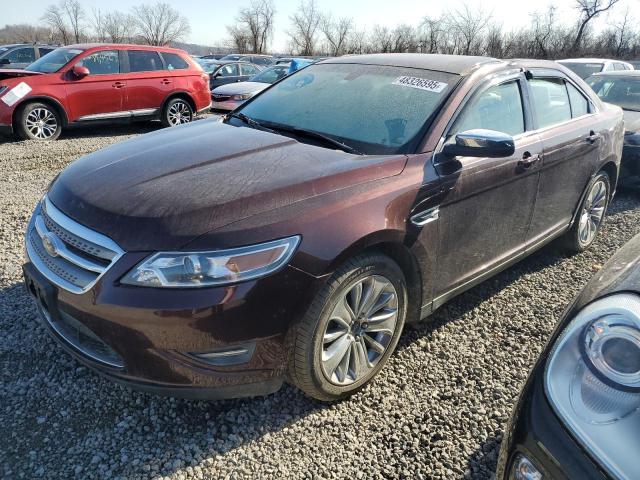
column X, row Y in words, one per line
column 81, row 84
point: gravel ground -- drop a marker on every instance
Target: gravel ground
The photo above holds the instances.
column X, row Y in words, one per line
column 436, row 411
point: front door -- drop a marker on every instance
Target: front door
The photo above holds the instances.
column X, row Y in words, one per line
column 485, row 214
column 571, row 141
column 228, row 73
column 99, row 95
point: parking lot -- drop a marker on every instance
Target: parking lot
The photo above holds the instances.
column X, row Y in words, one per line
column 437, row 410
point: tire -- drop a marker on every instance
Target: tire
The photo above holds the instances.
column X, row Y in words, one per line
column 38, row 121
column 591, row 214
column 177, row 111
column 322, row 333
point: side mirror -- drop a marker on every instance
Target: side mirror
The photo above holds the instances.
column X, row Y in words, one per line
column 4, row 61
column 480, row 143
column 80, row 71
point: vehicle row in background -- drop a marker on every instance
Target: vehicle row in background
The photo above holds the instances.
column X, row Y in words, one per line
column 222, row 72
column 89, row 83
column 585, row 67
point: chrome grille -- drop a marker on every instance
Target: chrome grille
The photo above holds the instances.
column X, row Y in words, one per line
column 69, row 254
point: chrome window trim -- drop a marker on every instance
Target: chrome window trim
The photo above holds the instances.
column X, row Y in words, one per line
column 78, row 230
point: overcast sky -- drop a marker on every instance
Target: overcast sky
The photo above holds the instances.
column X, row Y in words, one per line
column 209, row 17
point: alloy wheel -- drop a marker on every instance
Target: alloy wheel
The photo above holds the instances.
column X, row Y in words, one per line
column 592, row 212
column 359, row 330
column 41, row 123
column 179, row 113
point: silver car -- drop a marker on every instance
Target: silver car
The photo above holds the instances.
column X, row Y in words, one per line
column 232, row 95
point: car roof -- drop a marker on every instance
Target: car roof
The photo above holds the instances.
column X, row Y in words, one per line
column 88, row 46
column 458, row 64
column 590, row 60
column 618, row 73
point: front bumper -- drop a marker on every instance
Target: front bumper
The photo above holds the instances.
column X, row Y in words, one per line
column 535, row 431
column 150, row 338
column 226, row 105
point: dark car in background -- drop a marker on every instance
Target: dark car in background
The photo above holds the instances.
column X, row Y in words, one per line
column 295, row 238
column 88, row 83
column 20, row 55
column 623, row 89
column 578, row 415
column 261, row 60
column 222, row 72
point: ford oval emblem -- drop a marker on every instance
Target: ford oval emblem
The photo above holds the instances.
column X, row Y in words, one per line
column 49, row 242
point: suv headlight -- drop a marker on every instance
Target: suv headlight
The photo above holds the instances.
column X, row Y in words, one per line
column 592, row 380
column 215, row 268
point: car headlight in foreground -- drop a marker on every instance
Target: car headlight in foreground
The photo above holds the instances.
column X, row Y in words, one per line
column 592, row 380
column 214, row 268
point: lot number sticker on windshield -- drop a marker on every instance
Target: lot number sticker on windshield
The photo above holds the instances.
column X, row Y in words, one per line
column 420, row 83
column 16, row 93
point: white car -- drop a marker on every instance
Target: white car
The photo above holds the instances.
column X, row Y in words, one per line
column 585, row 67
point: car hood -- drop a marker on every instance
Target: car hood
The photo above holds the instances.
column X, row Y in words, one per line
column 162, row 190
column 14, row 73
column 631, row 121
column 240, row 88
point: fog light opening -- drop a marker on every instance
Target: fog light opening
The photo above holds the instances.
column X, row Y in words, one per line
column 524, row 469
column 233, row 355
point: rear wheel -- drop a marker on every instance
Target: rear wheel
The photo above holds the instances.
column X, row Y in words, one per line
column 176, row 112
column 351, row 328
column 590, row 215
column 38, row 121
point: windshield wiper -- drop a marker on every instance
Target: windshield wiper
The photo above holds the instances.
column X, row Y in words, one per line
column 249, row 121
column 316, row 135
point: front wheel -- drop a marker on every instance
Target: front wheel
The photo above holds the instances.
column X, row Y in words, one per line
column 591, row 213
column 351, row 328
column 38, row 121
column 176, row 112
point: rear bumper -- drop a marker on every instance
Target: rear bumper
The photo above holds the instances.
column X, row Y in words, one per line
column 205, row 109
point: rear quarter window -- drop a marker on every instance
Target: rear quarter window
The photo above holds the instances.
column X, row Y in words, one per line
column 173, row 61
column 579, row 104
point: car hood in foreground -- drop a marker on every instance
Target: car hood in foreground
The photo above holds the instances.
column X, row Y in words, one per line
column 240, row 88
column 161, row 190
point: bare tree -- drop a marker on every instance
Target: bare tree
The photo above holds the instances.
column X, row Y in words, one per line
column 254, row 26
column 119, row 27
column 24, row 33
column 432, row 32
column 239, row 39
column 589, row 9
column 469, row 25
column 98, row 24
column 404, row 39
column 54, row 18
column 160, row 24
column 336, row 33
column 76, row 16
column 381, row 39
column 304, row 27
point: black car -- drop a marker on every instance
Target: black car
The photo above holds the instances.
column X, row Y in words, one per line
column 222, row 72
column 623, row 89
column 262, row 60
column 20, row 55
column 578, row 416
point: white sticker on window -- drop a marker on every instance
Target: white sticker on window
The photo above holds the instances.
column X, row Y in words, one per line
column 16, row 93
column 420, row 83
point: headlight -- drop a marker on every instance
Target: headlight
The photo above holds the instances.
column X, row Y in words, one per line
column 592, row 380
column 244, row 96
column 206, row 269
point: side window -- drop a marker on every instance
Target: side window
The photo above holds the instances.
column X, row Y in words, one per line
column 104, row 62
column 579, row 104
column 249, row 69
column 144, row 61
column 550, row 100
column 497, row 108
column 44, row 51
column 22, row 55
column 174, row 61
column 229, row 70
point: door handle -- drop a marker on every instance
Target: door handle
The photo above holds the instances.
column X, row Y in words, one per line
column 593, row 137
column 118, row 85
column 528, row 159
column 166, row 81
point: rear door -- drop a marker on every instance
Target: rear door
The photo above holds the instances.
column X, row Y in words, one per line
column 485, row 215
column 570, row 137
column 148, row 83
column 99, row 95
column 247, row 71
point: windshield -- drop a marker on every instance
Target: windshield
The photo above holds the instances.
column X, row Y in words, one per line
column 54, row 61
column 271, row 75
column 583, row 70
column 622, row 91
column 372, row 108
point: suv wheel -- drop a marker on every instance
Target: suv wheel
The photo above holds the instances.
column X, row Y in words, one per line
column 176, row 112
column 590, row 215
column 38, row 121
column 351, row 328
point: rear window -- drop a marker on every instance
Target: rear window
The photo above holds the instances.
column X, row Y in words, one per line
column 550, row 100
column 174, row 61
column 144, row 61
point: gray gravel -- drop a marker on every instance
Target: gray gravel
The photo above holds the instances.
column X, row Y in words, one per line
column 436, row 411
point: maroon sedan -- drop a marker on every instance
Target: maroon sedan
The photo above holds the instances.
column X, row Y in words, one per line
column 90, row 83
column 295, row 239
